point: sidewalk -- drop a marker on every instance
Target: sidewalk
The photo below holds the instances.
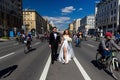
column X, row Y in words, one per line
column 59, row 71
column 3, row 40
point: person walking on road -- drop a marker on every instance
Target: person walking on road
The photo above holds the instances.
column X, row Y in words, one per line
column 54, row 41
column 66, row 51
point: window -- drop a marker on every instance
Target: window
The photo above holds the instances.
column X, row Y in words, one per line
column 114, row 11
column 114, row 4
column 111, row 19
column 111, row 5
column 114, row 18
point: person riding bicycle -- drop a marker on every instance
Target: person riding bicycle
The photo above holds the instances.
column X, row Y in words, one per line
column 106, row 45
column 28, row 38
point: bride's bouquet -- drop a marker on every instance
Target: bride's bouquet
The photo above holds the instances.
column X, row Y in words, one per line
column 69, row 39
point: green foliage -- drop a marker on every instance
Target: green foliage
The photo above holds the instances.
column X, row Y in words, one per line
column 5, row 37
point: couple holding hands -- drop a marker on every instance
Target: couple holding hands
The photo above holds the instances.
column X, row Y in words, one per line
column 66, row 51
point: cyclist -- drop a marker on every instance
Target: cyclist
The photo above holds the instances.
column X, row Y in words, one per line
column 106, row 45
column 28, row 38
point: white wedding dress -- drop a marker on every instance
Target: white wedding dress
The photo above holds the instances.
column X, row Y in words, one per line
column 70, row 52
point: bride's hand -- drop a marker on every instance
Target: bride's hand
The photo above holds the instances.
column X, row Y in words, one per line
column 50, row 46
column 59, row 44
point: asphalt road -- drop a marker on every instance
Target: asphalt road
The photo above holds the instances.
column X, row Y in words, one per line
column 86, row 58
column 16, row 65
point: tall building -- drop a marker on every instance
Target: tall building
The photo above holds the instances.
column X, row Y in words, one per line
column 88, row 22
column 107, row 15
column 76, row 24
column 49, row 26
column 33, row 21
column 10, row 15
column 71, row 28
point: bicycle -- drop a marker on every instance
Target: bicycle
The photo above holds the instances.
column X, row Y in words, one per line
column 27, row 47
column 111, row 62
column 114, row 65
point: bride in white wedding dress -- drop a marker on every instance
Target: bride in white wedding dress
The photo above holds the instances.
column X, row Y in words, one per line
column 66, row 51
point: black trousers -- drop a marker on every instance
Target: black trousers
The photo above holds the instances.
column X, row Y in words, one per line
column 54, row 53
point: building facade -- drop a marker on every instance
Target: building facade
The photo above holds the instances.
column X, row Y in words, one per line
column 108, row 15
column 10, row 15
column 88, row 22
column 76, row 24
column 33, row 21
column 71, row 28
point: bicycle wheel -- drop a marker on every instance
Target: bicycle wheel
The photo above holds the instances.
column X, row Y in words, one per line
column 114, row 67
column 98, row 59
column 25, row 49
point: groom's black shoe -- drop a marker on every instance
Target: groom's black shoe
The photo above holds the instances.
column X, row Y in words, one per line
column 56, row 59
column 52, row 62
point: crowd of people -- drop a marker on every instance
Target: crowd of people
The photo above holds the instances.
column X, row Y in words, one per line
column 65, row 40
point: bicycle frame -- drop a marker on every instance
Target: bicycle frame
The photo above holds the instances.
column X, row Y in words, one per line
column 113, row 62
column 114, row 65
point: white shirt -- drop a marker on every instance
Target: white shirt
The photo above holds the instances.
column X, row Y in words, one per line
column 55, row 35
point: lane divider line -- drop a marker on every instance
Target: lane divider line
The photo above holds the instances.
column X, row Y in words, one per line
column 46, row 68
column 7, row 55
column 36, row 43
column 82, row 70
column 15, row 44
column 90, row 45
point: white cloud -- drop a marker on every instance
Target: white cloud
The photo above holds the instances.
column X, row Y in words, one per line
column 59, row 22
column 80, row 9
column 97, row 1
column 68, row 9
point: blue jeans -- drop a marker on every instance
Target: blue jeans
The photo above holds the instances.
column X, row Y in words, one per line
column 77, row 41
column 106, row 53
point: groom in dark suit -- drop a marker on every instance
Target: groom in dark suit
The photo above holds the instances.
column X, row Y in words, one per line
column 54, row 41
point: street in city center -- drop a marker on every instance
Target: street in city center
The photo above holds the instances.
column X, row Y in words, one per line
column 17, row 65
column 59, row 39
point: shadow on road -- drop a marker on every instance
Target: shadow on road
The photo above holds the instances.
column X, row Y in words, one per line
column 101, row 67
column 30, row 50
column 6, row 72
column 94, row 62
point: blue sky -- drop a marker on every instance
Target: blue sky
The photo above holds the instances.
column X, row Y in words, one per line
column 61, row 12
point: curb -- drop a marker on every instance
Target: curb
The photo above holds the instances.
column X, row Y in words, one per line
column 3, row 40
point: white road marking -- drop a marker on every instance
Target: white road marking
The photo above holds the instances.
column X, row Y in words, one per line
column 82, row 70
column 36, row 44
column 45, row 70
column 9, row 45
column 90, row 45
column 15, row 44
column 7, row 55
